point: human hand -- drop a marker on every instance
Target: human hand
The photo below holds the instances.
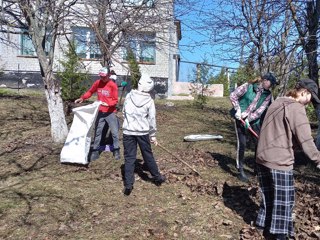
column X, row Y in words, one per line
column 79, row 100
column 113, row 77
column 104, row 104
column 237, row 115
column 154, row 141
column 244, row 115
column 246, row 124
column 124, row 83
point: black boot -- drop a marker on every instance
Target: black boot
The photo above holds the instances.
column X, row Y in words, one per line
column 94, row 155
column 281, row 236
column 158, row 181
column 242, row 176
column 127, row 191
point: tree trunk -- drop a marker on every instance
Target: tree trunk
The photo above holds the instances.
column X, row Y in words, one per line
column 59, row 129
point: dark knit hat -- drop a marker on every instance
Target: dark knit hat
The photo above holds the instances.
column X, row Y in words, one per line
column 311, row 86
column 269, row 76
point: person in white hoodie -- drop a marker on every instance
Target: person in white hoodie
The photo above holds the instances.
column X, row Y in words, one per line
column 139, row 128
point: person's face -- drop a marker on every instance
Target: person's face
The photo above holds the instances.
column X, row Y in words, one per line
column 266, row 84
column 305, row 97
column 104, row 78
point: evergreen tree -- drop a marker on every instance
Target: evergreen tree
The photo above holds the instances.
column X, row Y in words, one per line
column 200, row 84
column 134, row 69
column 73, row 77
column 221, row 78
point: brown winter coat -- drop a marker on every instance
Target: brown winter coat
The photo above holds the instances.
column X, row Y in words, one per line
column 285, row 126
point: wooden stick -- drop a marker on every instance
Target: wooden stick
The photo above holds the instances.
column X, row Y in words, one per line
column 163, row 148
column 250, row 129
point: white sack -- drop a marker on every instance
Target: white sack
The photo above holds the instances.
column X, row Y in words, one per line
column 77, row 145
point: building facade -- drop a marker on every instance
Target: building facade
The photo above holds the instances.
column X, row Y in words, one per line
column 156, row 50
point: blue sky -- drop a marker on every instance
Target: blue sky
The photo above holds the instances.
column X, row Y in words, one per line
column 196, row 44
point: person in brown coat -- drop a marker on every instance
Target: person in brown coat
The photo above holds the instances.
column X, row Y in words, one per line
column 285, row 127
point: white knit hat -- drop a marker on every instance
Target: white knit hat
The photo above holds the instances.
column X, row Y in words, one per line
column 145, row 84
column 103, row 72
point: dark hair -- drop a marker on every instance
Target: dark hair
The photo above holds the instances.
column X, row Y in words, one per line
column 255, row 80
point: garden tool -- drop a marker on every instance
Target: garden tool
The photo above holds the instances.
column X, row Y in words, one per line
column 163, row 148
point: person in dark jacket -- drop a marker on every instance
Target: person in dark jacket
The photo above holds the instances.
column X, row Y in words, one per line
column 250, row 101
column 284, row 128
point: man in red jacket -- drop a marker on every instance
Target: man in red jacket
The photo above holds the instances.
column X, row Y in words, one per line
column 107, row 91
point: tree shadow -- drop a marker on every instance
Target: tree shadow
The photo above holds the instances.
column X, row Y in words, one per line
column 37, row 164
column 240, row 200
column 30, row 202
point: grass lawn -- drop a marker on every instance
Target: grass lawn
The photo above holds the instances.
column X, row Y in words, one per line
column 43, row 199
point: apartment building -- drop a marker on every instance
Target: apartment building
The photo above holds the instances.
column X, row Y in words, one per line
column 156, row 48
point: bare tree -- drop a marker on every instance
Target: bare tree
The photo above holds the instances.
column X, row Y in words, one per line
column 306, row 17
column 41, row 20
column 257, row 29
column 114, row 22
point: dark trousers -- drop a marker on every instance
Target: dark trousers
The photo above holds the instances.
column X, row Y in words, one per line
column 242, row 135
column 130, row 143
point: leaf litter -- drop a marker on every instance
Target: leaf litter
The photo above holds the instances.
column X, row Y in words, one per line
column 229, row 214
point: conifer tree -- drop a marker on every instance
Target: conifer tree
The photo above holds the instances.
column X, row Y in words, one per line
column 73, row 77
column 134, row 69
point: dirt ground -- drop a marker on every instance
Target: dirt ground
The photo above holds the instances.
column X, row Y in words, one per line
column 43, row 199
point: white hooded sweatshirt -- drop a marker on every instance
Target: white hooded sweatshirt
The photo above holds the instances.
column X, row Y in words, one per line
column 139, row 114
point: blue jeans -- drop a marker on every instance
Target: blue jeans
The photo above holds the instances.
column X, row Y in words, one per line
column 110, row 121
column 130, row 143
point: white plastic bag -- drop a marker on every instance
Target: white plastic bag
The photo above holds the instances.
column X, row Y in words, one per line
column 77, row 145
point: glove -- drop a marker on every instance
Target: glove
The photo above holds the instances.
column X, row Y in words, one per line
column 246, row 124
column 104, row 104
column 244, row 115
column 237, row 115
column 124, row 83
column 79, row 100
column 113, row 77
column 154, row 140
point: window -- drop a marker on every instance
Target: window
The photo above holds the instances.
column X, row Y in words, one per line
column 143, row 47
column 138, row 3
column 86, row 43
column 27, row 48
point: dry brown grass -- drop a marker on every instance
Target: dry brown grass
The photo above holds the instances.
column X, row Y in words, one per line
column 42, row 199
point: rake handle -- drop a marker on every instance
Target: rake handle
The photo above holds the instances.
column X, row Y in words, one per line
column 250, row 129
column 163, row 148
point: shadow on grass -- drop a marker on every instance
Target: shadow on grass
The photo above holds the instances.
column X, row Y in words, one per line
column 50, row 204
column 37, row 164
column 239, row 200
column 226, row 163
column 140, row 168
